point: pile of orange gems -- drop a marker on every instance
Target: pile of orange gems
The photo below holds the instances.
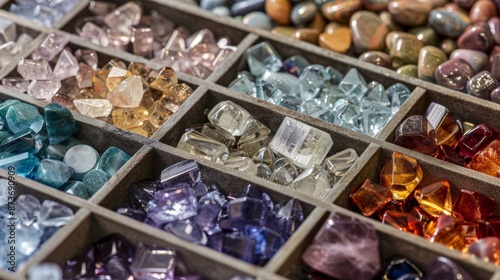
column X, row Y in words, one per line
column 400, row 200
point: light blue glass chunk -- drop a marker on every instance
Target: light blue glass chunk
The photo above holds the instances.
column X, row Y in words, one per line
column 311, row 106
column 325, row 114
column 45, row 271
column 290, row 102
column 53, row 173
column 23, row 141
column 244, row 85
column 60, row 123
column 94, row 180
column 112, row 160
column 54, row 214
column 374, row 117
column 4, row 107
column 348, row 114
column 398, row 93
column 27, row 208
column 354, row 84
column 24, row 163
column 28, row 238
column 287, row 83
column 21, row 116
column 335, row 75
column 268, row 92
column 76, row 188
column 378, row 95
column 312, row 80
column 262, row 57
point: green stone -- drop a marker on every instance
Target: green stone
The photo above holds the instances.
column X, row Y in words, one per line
column 4, row 134
column 409, row 70
column 60, row 123
column 76, row 188
column 425, row 34
column 94, row 180
column 112, row 160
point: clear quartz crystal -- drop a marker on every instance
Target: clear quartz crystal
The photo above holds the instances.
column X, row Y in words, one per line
column 313, row 181
column 302, row 144
column 244, row 164
column 261, row 57
column 337, row 165
column 198, row 144
column 218, row 134
column 230, row 117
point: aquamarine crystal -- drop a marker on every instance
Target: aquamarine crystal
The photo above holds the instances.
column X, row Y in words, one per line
column 23, row 141
column 112, row 160
column 312, row 81
column 354, row 84
column 378, row 95
column 53, row 173
column 94, row 180
column 398, row 93
column 24, row 163
column 268, row 92
column 244, row 85
column 261, row 57
column 76, row 188
column 286, row 83
column 59, row 122
column 20, row 116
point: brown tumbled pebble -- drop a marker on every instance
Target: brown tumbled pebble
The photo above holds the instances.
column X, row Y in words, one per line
column 377, row 58
column 284, row 30
column 409, row 12
column 368, row 31
column 482, row 11
column 376, row 5
column 279, row 11
column 341, row 10
column 309, row 35
column 339, row 40
column 318, row 22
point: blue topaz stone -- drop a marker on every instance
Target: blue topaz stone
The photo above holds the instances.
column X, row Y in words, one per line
column 60, row 123
column 53, row 173
column 24, row 163
column 112, row 160
column 21, row 116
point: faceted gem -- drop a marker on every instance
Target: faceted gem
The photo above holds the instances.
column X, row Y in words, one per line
column 482, row 84
column 198, row 144
column 402, row 221
column 59, row 122
column 378, row 95
column 448, row 232
column 284, row 82
column 230, row 117
column 254, row 130
column 473, row 206
column 448, row 154
column 66, row 66
column 401, row 174
column 353, row 84
column 24, row 163
column 290, row 217
column 53, row 173
column 302, row 144
column 244, row 85
column 268, row 242
column 113, row 254
column 175, row 203
column 435, row 198
column 53, row 214
column 34, row 69
column 127, row 118
column 94, row 108
column 94, row 34
column 51, row 46
column 20, row 116
column 209, row 207
column 115, row 76
column 94, row 180
column 344, row 248
column 124, row 17
column 153, row 262
column 374, row 117
column 313, row 181
column 244, row 211
column 447, row 130
column 244, row 164
column 128, row 93
column 261, row 57
column 112, row 160
column 14, row 83
column 487, row 161
column 142, row 40
column 239, row 247
column 166, row 78
column 218, row 134
column 370, row 197
column 43, row 89
column 312, row 80
column 417, row 134
column 82, row 158
column 442, row 268
column 476, row 140
column 398, row 267
column 187, row 230
column 186, row 171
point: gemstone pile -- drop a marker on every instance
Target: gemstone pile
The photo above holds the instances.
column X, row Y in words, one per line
column 318, row 91
column 455, row 44
column 11, row 42
column 296, row 156
column 346, row 248
column 45, row 12
column 439, row 134
column 466, row 223
column 33, row 223
column 155, row 37
column 248, row 226
column 42, row 148
column 113, row 257
column 133, row 98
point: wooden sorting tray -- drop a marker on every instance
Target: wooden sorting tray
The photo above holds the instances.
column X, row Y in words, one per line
column 96, row 218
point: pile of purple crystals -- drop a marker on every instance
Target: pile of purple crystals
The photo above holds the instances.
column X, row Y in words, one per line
column 249, row 227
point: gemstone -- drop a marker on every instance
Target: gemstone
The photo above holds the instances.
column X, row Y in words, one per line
column 53, row 173
column 417, row 134
column 398, row 267
column 24, row 163
column 127, row 93
column 471, row 205
column 153, row 262
column 313, row 181
column 198, row 144
column 76, row 188
column 129, row 118
column 302, row 144
column 268, row 242
column 487, row 160
column 477, row 37
column 82, row 158
column 476, row 59
column 94, row 34
column 66, row 66
column 186, row 171
column 442, row 268
column 53, row 214
column 290, row 217
column 295, row 64
column 312, row 80
column 401, row 174
column 448, row 23
column 142, row 40
column 435, row 198
column 112, row 160
column 20, row 116
column 124, row 17
column 34, row 69
column 230, row 117
column 487, row 249
column 23, row 141
column 454, row 74
column 94, row 180
column 261, row 57
column 52, row 46
column 368, row 31
column 344, row 248
column 209, row 207
column 476, row 140
column 116, row 75
column 429, row 59
column 187, row 230
column 45, row 271
column 482, row 84
column 113, row 256
column 449, row 233
column 43, row 89
column 402, row 221
column 353, row 84
column 59, row 122
column 447, row 130
column 94, row 108
column 448, row 154
column 14, row 83
column 240, row 247
column 218, row 134
column 244, row 211
column 175, row 203
column 371, row 197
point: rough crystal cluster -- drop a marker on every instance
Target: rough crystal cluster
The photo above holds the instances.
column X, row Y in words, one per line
column 153, row 36
column 466, row 222
column 296, row 156
column 248, row 226
column 113, row 257
column 322, row 92
column 31, row 225
column 439, row 134
column 11, row 42
column 133, row 97
column 43, row 148
column 45, row 12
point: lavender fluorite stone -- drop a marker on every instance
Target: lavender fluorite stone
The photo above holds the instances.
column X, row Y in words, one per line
column 172, row 204
column 186, row 171
column 244, row 211
column 345, row 248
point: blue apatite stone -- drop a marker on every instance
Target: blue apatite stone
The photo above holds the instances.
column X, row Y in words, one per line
column 267, row 243
column 241, row 247
column 94, row 180
column 4, row 134
column 244, row 211
column 447, row 23
column 112, row 160
column 21, row 116
column 60, row 123
column 398, row 266
column 4, row 107
column 23, row 141
column 76, row 188
column 53, row 173
column 24, row 163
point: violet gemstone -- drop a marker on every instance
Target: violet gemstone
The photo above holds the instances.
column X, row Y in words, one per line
column 477, row 37
column 244, row 211
column 454, row 74
column 495, row 95
column 482, row 84
column 443, row 268
column 111, row 246
column 268, row 242
column 290, row 218
column 79, row 267
column 175, row 203
column 214, row 237
column 209, row 207
column 240, row 247
column 345, row 248
column 187, row 230
column 136, row 214
column 141, row 193
column 254, row 192
column 186, row 171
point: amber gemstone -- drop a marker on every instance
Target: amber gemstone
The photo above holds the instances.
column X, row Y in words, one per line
column 395, row 206
column 448, row 154
column 473, row 231
column 447, row 130
column 473, row 206
column 488, row 160
column 448, row 232
column 401, row 174
column 371, row 197
column 403, row 222
column 435, row 198
column 417, row 134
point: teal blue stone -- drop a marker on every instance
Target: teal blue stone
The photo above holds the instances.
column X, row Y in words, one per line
column 353, row 84
column 24, row 163
column 4, row 107
column 60, row 123
column 23, row 141
column 4, row 134
column 56, row 151
column 21, row 116
column 244, row 85
column 53, row 173
column 112, row 160
column 76, row 188
column 447, row 23
column 94, row 180
column 262, row 57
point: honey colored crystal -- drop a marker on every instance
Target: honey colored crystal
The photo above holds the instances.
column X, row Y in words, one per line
column 104, row 71
column 94, row 108
column 488, row 160
column 449, row 233
column 435, row 199
column 164, row 80
column 158, row 114
column 402, row 221
column 401, row 174
column 126, row 118
column 128, row 93
column 371, row 197
column 175, row 95
column 115, row 76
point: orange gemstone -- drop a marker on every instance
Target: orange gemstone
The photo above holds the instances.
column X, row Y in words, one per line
column 488, row 160
column 371, row 197
column 447, row 130
column 401, row 174
column 473, row 231
column 473, row 206
column 417, row 134
column 403, row 222
column 435, row 199
column 449, row 233
column 395, row 205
